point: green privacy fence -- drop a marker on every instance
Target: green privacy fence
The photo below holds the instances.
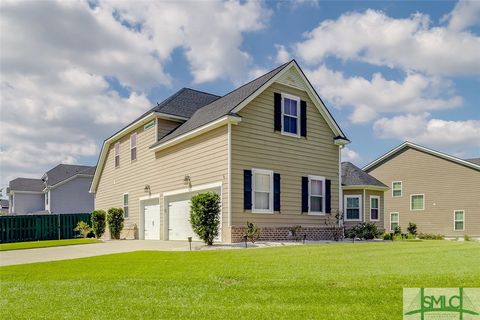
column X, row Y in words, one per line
column 40, row 227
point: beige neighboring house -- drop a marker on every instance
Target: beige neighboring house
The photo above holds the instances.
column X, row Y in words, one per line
column 437, row 191
column 270, row 149
column 363, row 197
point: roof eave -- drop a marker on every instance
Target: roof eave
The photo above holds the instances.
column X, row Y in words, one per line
column 366, row 187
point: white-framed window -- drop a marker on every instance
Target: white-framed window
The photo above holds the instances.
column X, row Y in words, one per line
column 417, row 202
column 353, row 207
column 133, row 146
column 117, row 154
column 396, row 188
column 459, row 220
column 316, row 195
column 262, row 191
column 394, row 220
column 125, row 205
column 374, row 208
column 290, row 115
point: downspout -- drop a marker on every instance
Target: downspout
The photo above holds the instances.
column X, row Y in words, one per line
column 229, row 176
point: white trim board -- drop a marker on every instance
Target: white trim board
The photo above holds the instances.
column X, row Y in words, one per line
column 193, row 189
column 408, row 144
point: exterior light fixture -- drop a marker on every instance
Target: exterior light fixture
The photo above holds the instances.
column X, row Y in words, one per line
column 190, row 242
column 187, row 181
column 147, row 189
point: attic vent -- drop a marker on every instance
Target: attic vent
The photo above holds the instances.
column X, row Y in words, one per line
column 149, row 125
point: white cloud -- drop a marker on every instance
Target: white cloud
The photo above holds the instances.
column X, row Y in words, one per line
column 369, row 98
column 283, row 55
column 410, row 43
column 456, row 136
column 212, row 46
column 464, row 15
column 56, row 104
column 350, row 155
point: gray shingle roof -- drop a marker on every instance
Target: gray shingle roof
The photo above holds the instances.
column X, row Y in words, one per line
column 65, row 171
column 354, row 176
column 4, row 203
column 222, row 106
column 27, row 184
column 474, row 160
column 185, row 102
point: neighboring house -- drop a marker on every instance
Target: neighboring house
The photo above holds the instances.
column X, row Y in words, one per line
column 26, row 195
column 438, row 192
column 270, row 149
column 4, row 206
column 363, row 197
column 63, row 189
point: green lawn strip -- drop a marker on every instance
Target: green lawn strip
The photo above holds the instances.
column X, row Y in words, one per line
column 44, row 244
column 330, row 281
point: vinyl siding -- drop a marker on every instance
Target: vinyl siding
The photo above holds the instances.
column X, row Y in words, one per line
column 24, row 203
column 255, row 144
column 447, row 186
column 204, row 158
column 72, row 197
column 365, row 196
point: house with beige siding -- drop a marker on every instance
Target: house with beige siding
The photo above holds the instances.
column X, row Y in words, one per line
column 363, row 197
column 437, row 191
column 269, row 148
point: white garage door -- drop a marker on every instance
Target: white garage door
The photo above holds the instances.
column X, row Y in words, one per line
column 179, row 227
column 152, row 221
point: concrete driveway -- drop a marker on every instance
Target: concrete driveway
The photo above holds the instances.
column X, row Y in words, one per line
column 13, row 257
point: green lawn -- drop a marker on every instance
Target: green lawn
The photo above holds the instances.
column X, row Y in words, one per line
column 331, row 281
column 44, row 244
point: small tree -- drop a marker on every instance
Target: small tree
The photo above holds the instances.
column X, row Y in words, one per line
column 98, row 218
column 412, row 228
column 252, row 232
column 205, row 216
column 115, row 222
column 83, row 228
column 334, row 223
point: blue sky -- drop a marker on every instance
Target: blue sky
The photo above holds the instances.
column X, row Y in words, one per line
column 387, row 71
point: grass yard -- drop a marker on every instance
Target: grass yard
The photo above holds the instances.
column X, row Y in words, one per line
column 44, row 244
column 332, row 281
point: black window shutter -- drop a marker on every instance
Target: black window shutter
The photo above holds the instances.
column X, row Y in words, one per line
column 328, row 196
column 247, row 189
column 277, row 102
column 276, row 191
column 303, row 118
column 304, row 194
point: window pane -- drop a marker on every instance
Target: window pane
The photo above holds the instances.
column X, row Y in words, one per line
column 125, row 212
column 262, row 200
column 133, row 140
column 290, row 107
column 353, row 214
column 459, row 225
column 393, row 225
column 374, row 203
column 262, row 182
column 458, row 216
column 394, row 217
column 125, row 199
column 117, row 148
column 417, row 202
column 117, row 161
column 289, row 124
column 316, row 204
column 397, row 193
column 316, row 187
column 397, row 185
column 353, row 202
column 374, row 214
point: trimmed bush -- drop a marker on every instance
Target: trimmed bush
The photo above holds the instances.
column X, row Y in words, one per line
column 205, row 216
column 98, row 218
column 83, row 228
column 364, row 230
column 412, row 228
column 397, row 231
column 252, row 232
column 429, row 236
column 115, row 222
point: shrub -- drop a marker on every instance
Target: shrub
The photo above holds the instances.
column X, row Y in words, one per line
column 429, row 236
column 252, row 232
column 364, row 230
column 386, row 236
column 115, row 222
column 83, row 228
column 295, row 230
column 466, row 237
column 412, row 228
column 397, row 231
column 205, row 216
column 98, row 218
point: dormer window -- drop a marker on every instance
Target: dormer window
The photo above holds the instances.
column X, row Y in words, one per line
column 290, row 115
